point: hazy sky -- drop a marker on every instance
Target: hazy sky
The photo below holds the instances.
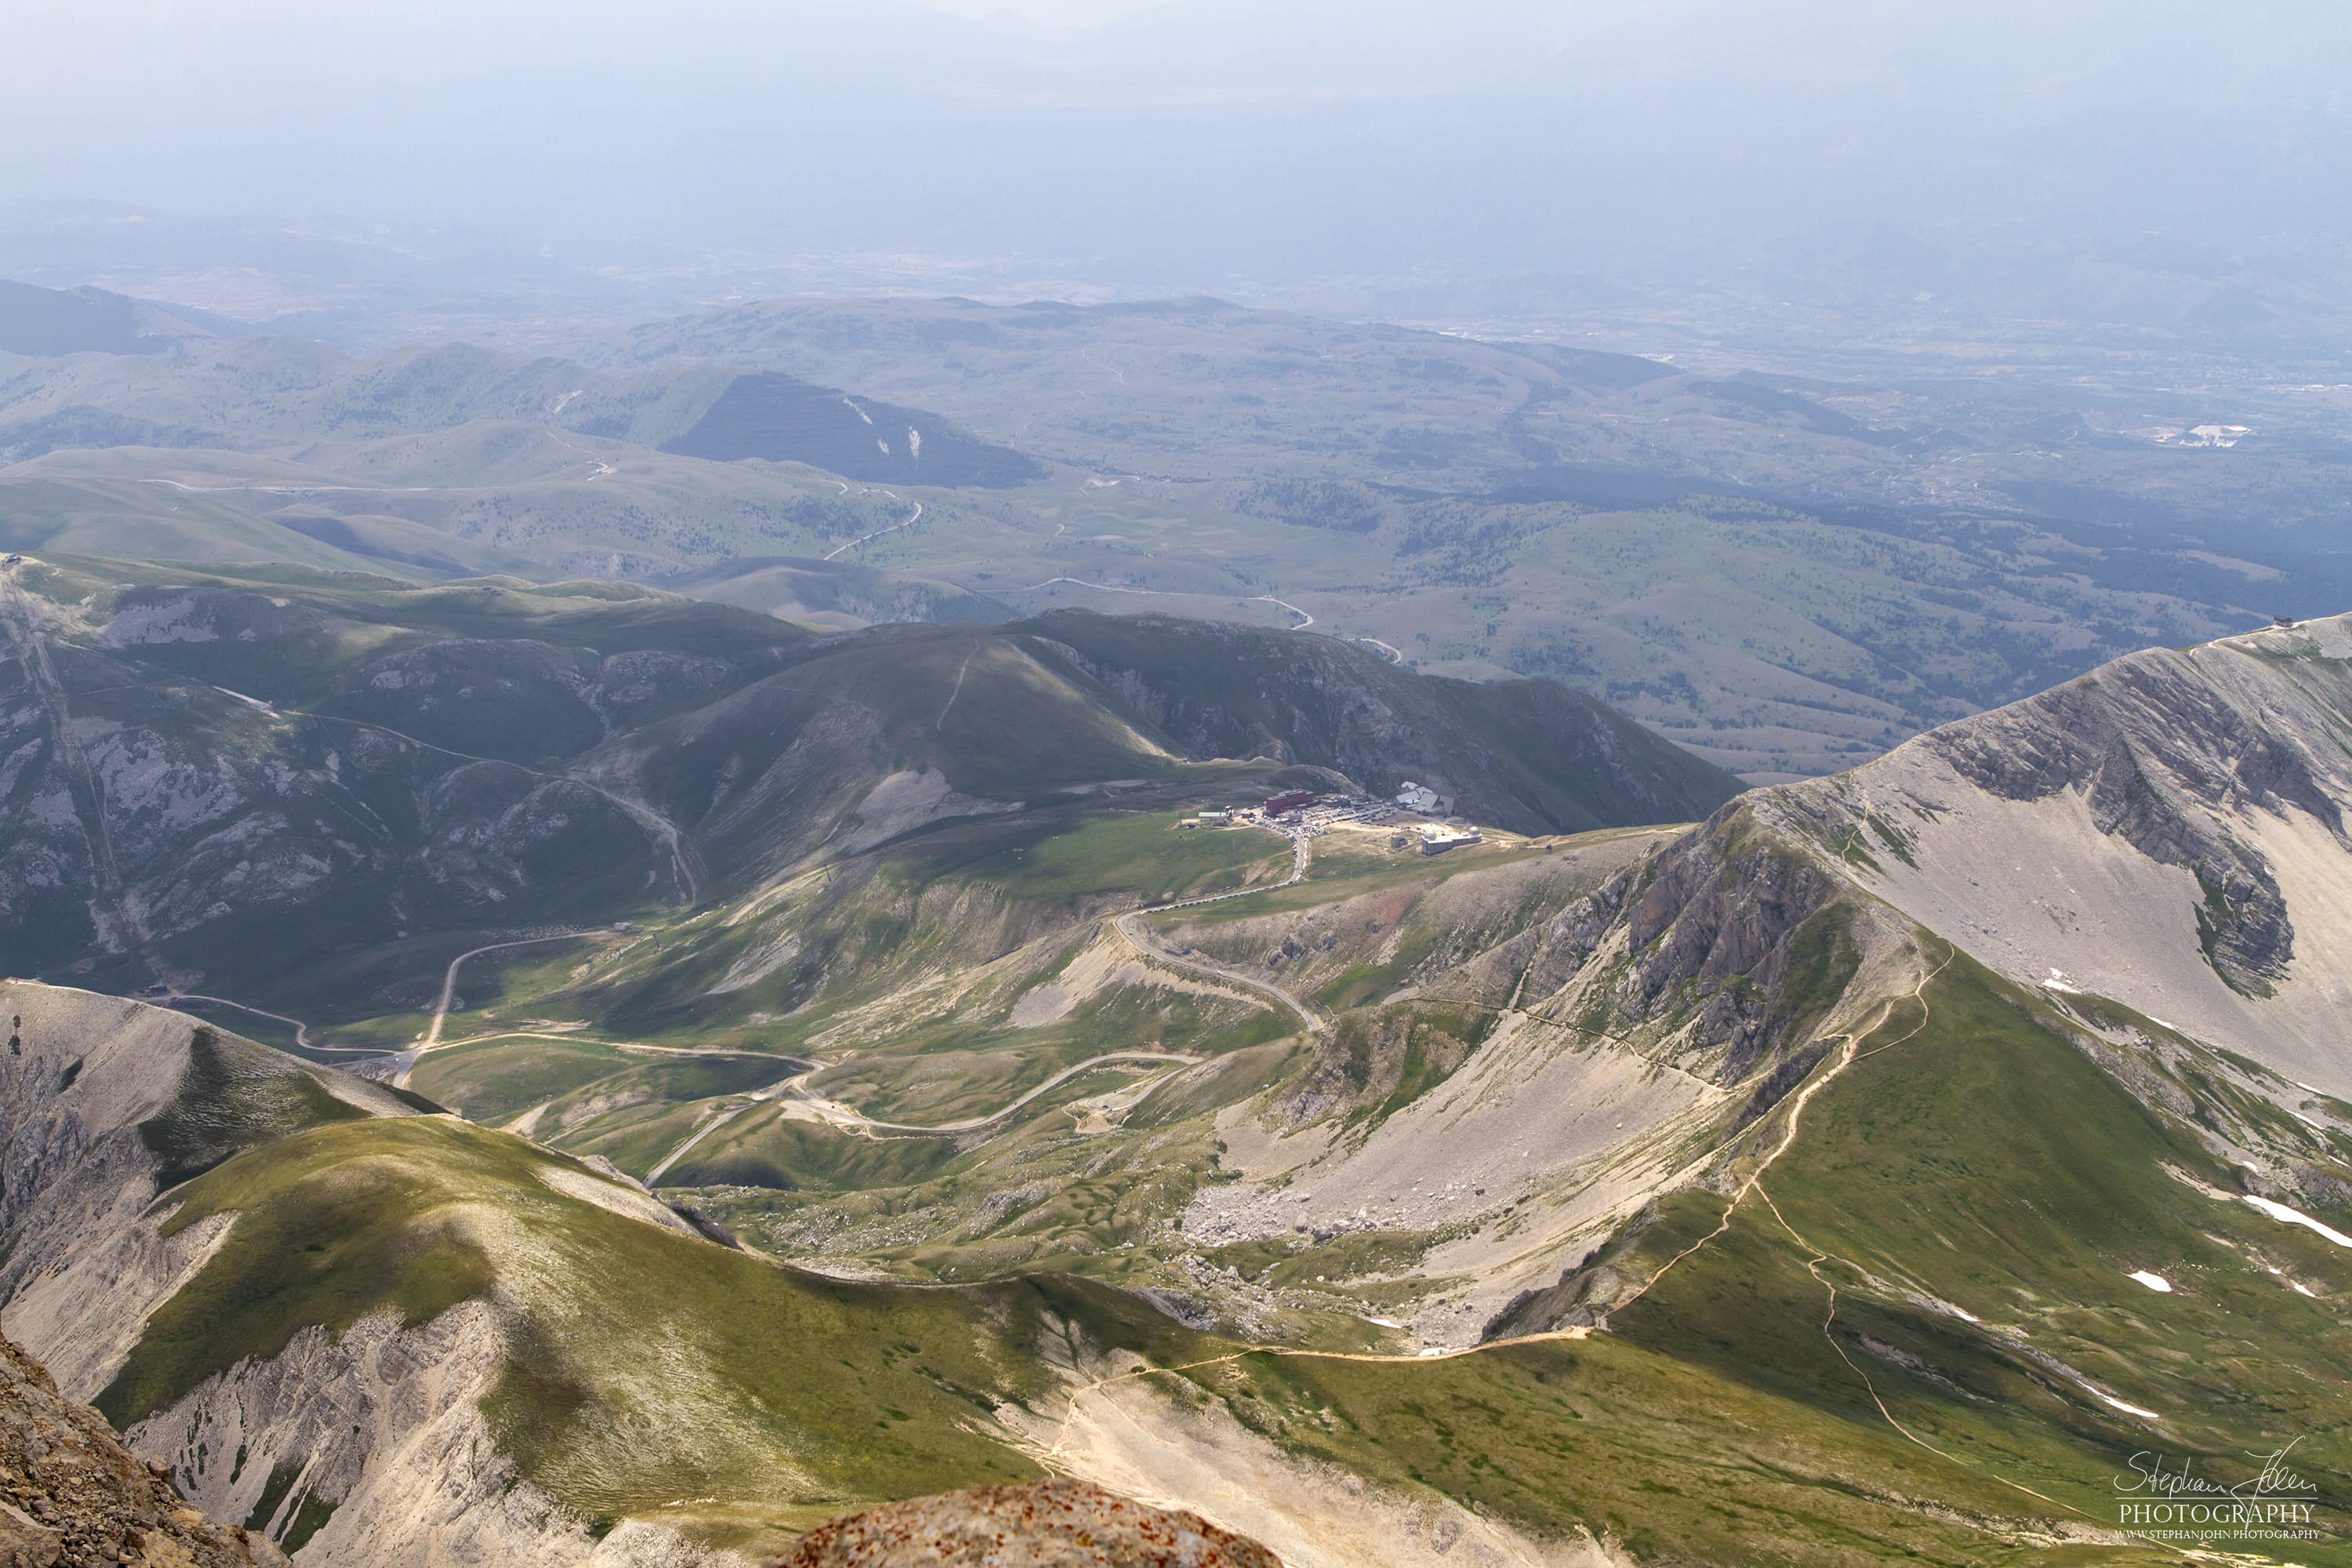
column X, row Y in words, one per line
column 1045, row 13
column 1200, row 140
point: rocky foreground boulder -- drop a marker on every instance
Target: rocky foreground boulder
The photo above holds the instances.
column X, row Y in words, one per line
column 1044, row 1524
column 71, row 1496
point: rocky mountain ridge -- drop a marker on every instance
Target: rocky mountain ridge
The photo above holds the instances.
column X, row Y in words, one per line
column 75, row 1497
column 1047, row 1524
column 2167, row 831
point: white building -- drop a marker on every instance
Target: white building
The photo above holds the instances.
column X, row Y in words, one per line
column 1437, row 839
column 1417, row 797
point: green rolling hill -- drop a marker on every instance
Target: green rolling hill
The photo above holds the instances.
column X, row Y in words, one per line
column 1788, row 575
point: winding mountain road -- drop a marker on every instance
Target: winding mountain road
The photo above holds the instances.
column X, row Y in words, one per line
column 835, row 1114
column 603, row 469
column 302, row 1029
column 705, row 1130
column 1307, row 1015
column 1304, row 620
column 1300, row 855
column 431, row 1038
column 916, row 517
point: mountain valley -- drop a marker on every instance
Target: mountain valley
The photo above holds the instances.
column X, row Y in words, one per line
column 869, row 1078
column 1176, row 784
column 619, row 952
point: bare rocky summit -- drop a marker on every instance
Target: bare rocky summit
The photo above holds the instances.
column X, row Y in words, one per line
column 72, row 1496
column 1044, row 1524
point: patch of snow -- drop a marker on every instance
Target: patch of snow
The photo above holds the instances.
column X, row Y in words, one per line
column 2127, row 1409
column 2286, row 1216
column 2156, row 1282
column 1937, row 1304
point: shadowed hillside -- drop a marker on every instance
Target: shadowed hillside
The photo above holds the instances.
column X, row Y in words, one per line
column 786, row 420
column 286, row 764
column 1532, row 756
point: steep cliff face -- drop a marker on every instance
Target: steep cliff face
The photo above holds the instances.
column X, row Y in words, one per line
column 2167, row 830
column 1738, row 933
column 105, row 1103
column 2167, row 833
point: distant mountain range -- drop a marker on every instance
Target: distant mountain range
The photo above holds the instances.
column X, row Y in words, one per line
column 1789, row 575
column 36, row 321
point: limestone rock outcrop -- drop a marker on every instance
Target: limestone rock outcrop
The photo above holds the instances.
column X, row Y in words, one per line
column 1044, row 1524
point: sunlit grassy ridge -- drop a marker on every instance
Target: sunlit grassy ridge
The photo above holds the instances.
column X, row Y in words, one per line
column 835, row 1390
column 1987, row 1167
column 645, row 1365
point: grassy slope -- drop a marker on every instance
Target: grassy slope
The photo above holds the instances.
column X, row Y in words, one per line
column 1984, row 1161
column 1988, row 1163
column 951, row 899
column 785, row 1393
column 1147, row 857
column 784, row 1397
column 494, row 1079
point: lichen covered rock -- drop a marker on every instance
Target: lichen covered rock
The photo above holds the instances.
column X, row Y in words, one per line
column 1045, row 1524
column 72, row 1495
